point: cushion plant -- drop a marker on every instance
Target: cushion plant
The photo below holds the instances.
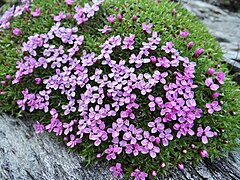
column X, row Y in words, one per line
column 139, row 84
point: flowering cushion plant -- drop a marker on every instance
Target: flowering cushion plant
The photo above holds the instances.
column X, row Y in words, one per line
column 139, row 84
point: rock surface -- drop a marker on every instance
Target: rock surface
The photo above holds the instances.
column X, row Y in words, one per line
column 224, row 25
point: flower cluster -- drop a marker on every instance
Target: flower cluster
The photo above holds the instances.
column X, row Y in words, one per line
column 106, row 94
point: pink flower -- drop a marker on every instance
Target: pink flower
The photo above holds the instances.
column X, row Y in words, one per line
column 214, row 106
column 184, row 33
column 220, row 77
column 205, row 134
column 128, row 42
column 138, row 175
column 59, row 17
column 105, row 29
column 198, row 52
column 38, row 80
column 209, row 83
column 154, row 173
column 17, row 31
column 146, row 27
column 36, row 13
column 211, row 71
column 39, row 128
column 69, row 2
column 117, row 170
column 73, row 141
column 190, row 45
column 203, row 153
column 215, row 95
column 111, row 19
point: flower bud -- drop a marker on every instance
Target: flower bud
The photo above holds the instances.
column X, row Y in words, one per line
column 180, row 166
column 38, row 80
column 120, row 17
column 211, row 71
column 8, row 77
column 203, row 153
column 163, row 165
column 3, row 82
column 153, row 59
column 98, row 155
column 157, row 140
column 190, row 45
column 193, row 146
column 2, row 93
column 134, row 17
column 174, row 12
column 17, row 31
column 184, row 151
column 154, row 173
column 215, row 95
column 198, row 52
column 65, row 138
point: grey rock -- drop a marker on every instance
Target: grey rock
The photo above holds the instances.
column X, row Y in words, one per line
column 26, row 155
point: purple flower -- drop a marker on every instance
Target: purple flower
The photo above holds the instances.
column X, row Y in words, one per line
column 214, row 106
column 138, row 175
column 73, row 141
column 120, row 17
column 111, row 19
column 203, row 153
column 220, row 77
column 169, row 48
column 209, row 83
column 59, row 17
column 17, row 31
column 128, row 42
column 117, row 170
column 205, row 134
column 184, row 33
column 211, row 71
column 69, row 2
column 36, row 13
column 156, row 126
column 198, row 52
column 146, row 27
column 105, row 29
column 39, row 128
column 148, row 145
column 190, row 45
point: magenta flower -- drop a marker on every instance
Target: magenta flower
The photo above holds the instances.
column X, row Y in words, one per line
column 211, row 71
column 166, row 136
column 36, row 13
column 203, row 153
column 111, row 19
column 190, row 45
column 38, row 127
column 134, row 18
column 59, row 17
column 214, row 106
column 205, row 134
column 128, row 42
column 209, row 83
column 73, row 141
column 17, row 31
column 69, row 2
column 38, row 81
column 198, row 52
column 138, row 175
column 146, row 27
column 184, row 33
column 156, row 126
column 120, row 17
column 169, row 48
column 105, row 29
column 117, row 170
column 220, row 77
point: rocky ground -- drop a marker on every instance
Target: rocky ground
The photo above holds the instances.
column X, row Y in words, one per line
column 224, row 25
column 26, row 155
